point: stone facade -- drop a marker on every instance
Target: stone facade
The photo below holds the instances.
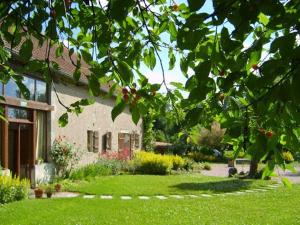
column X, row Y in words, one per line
column 96, row 117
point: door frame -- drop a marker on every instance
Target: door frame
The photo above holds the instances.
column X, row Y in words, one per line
column 5, row 137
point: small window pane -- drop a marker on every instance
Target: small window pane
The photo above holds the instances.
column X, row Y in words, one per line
column 18, row 113
column 41, row 91
column 29, row 83
column 11, row 89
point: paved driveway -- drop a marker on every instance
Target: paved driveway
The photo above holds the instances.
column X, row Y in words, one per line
column 221, row 170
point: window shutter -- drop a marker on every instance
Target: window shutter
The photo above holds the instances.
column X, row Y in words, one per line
column 108, row 141
column 120, row 141
column 136, row 141
column 90, row 140
column 132, row 137
column 96, row 141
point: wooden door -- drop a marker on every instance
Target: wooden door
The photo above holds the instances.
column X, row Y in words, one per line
column 124, row 144
column 20, row 146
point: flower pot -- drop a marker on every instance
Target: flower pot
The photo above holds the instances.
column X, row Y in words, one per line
column 49, row 194
column 57, row 187
column 38, row 193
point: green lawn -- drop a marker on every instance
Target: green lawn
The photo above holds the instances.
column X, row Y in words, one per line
column 272, row 207
column 278, row 206
column 153, row 185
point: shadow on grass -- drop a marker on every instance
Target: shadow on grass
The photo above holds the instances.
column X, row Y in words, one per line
column 218, row 186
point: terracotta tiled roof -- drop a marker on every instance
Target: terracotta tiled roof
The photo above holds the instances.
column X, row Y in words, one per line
column 65, row 64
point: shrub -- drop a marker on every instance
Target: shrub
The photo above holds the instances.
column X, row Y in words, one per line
column 188, row 164
column 211, row 138
column 201, row 157
column 206, row 166
column 177, row 162
column 151, row 163
column 104, row 167
column 65, row 156
column 13, row 189
column 287, row 156
column 230, row 154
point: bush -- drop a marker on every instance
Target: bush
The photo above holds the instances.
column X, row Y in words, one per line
column 230, row 154
column 288, row 157
column 13, row 189
column 206, row 166
column 104, row 167
column 188, row 164
column 201, row 157
column 65, row 156
column 177, row 161
column 151, row 163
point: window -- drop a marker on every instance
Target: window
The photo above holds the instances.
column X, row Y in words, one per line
column 41, row 91
column 41, row 131
column 18, row 113
column 30, row 84
column 93, row 141
column 12, row 90
column 37, row 89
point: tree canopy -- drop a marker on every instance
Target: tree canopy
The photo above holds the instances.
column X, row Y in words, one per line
column 241, row 61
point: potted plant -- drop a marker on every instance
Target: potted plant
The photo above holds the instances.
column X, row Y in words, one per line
column 49, row 191
column 38, row 192
column 57, row 187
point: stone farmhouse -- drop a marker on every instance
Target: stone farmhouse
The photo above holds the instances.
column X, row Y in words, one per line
column 25, row 140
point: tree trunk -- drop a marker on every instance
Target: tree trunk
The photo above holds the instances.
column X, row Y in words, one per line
column 253, row 168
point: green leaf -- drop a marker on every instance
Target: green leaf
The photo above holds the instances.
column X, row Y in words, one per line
column 227, row 43
column 120, row 8
column 125, row 71
column 172, row 31
column 76, row 75
column 94, row 85
column 268, row 170
column 63, row 120
column 26, row 50
column 286, row 182
column 172, row 59
column 152, row 58
column 135, row 114
column 282, row 139
column 203, row 69
column 195, row 5
column 33, row 66
column 59, row 50
column 263, row 19
column 117, row 110
column 86, row 56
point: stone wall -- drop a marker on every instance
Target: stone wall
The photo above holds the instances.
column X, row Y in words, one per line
column 96, row 117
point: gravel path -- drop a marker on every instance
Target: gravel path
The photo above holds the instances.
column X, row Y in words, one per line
column 221, row 170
